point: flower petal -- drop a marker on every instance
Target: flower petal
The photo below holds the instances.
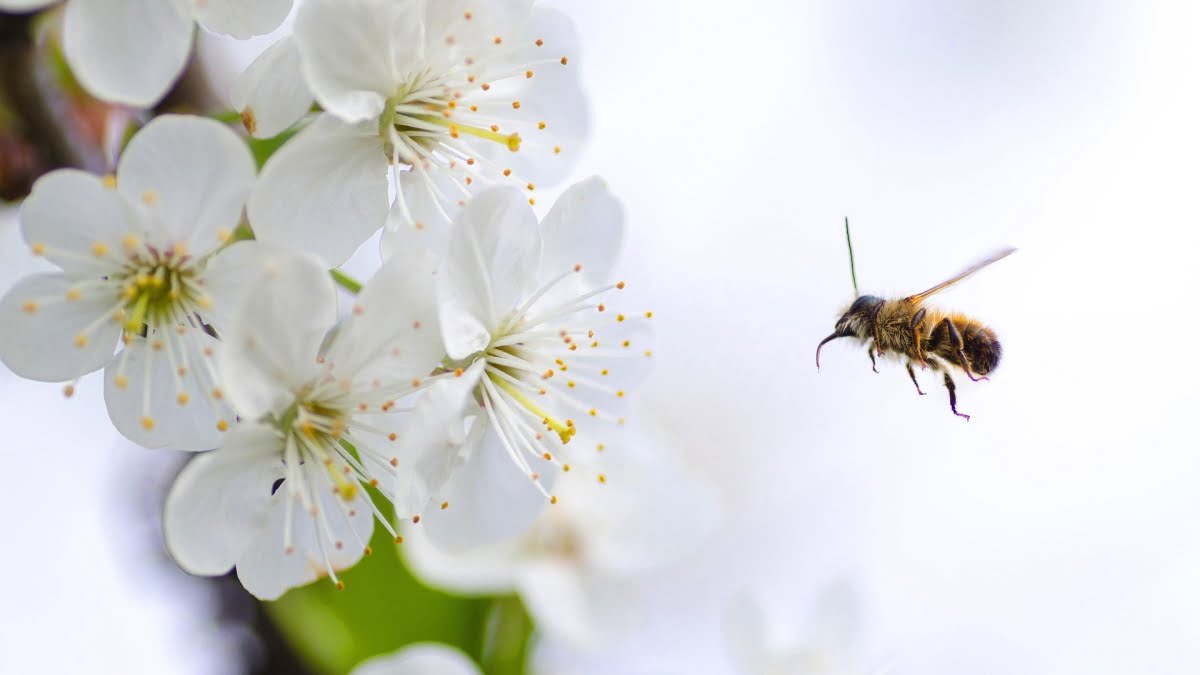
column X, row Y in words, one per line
column 491, row 266
column 577, row 606
column 324, row 192
column 419, row 659
column 167, row 395
column 585, row 226
column 218, row 504
column 335, row 537
column 241, row 18
column 392, row 333
column 50, row 337
column 489, row 500
column 18, row 6
column 356, row 52
column 483, row 570
column 433, row 443
column 127, row 51
column 270, row 346
column 271, row 94
column 192, row 174
column 71, row 212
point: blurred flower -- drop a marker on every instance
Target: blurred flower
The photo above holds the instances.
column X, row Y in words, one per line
column 763, row 644
column 520, row 316
column 131, row 51
column 139, row 262
column 578, row 566
column 320, row 421
column 451, row 96
column 420, row 659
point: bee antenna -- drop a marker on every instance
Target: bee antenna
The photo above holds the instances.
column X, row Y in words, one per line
column 850, row 247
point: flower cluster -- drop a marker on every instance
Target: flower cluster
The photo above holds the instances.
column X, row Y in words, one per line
column 458, row 383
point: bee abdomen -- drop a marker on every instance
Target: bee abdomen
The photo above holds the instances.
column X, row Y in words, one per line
column 980, row 345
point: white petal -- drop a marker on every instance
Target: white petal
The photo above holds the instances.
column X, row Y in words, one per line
column 355, row 52
column 402, row 232
column 586, row 226
column 241, row 18
column 271, row 94
column 18, row 6
column 419, row 659
column 127, row 51
column 434, row 443
column 270, row 347
column 59, row 339
column 490, row 500
column 235, row 271
column 746, row 635
column 576, row 606
column 71, row 211
column 483, row 570
column 338, row 536
column 192, row 175
column 491, row 266
column 451, row 37
column 324, row 192
column 170, row 410
column 218, row 504
column 392, row 333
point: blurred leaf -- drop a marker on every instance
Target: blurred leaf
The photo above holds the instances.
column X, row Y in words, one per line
column 263, row 148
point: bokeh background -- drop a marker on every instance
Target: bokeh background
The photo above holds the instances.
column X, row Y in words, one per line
column 1056, row 532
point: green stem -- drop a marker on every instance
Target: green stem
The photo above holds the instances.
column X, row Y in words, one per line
column 506, row 637
column 345, row 281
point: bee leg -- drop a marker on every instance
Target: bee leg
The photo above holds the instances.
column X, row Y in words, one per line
column 871, row 353
column 953, row 399
column 916, row 336
column 914, row 377
column 957, row 343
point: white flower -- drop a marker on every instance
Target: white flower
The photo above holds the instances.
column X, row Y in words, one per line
column 427, row 658
column 284, row 500
column 131, row 51
column 763, row 644
column 449, row 95
column 578, row 567
column 521, row 313
column 139, row 262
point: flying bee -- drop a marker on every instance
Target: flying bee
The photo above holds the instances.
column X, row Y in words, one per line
column 924, row 336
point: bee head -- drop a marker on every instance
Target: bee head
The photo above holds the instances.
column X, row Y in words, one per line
column 856, row 320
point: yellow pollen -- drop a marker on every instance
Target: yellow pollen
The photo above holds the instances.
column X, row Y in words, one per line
column 458, row 372
column 649, row 314
column 340, row 585
column 182, row 398
column 620, row 317
column 625, row 343
column 399, row 539
column 547, row 456
column 69, row 390
column 445, row 505
column 474, row 108
column 99, row 249
column 528, row 74
column 529, row 186
column 541, row 125
column 648, row 352
column 604, row 372
column 599, row 447
column 130, row 240
column 620, row 394
column 348, row 490
column 602, row 478
column 566, row 467
column 392, row 436
column 553, row 500
column 532, row 201
column 516, row 105
column 453, row 132
column 508, row 172
column 620, row 285
column 149, row 197
column 222, row 426
column 109, row 181
column 30, row 307
column 39, row 249
column 557, row 149
column 121, row 381
column 592, row 412
column 452, row 105
column 147, row 423
column 620, row 420
column 514, row 142
column 570, row 384
column 81, row 341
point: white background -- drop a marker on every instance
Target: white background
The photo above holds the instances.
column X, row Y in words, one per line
column 1056, row 532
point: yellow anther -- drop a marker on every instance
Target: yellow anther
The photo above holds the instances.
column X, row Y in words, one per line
column 69, row 390
column 149, row 197
column 121, row 381
column 249, row 120
column 453, row 131
column 599, row 447
column 553, row 499
column 30, row 307
column 445, row 505
column 648, row 352
column 224, row 234
column 180, row 249
column 571, row 384
column 541, row 125
column 147, row 423
column 99, row 249
column 182, row 398
column 604, row 372
column 592, row 412
column 514, row 142
column 620, row 317
column 557, row 149
column 340, row 585
column 649, row 314
column 222, row 425
column 563, row 60
column 602, row 478
column 625, row 343
column 109, row 181
column 130, row 240
column 81, row 341
column 39, row 248
column 566, row 467
column 620, row 394
column 528, row 74
column 348, row 490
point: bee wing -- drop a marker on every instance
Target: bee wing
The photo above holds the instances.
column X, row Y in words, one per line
column 998, row 255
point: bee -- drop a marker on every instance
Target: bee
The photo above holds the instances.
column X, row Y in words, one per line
column 924, row 336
